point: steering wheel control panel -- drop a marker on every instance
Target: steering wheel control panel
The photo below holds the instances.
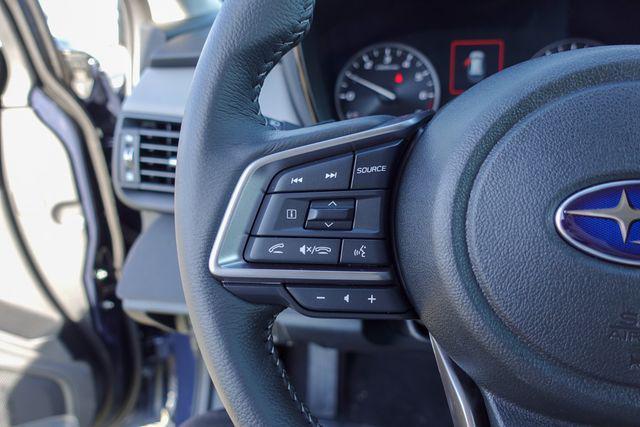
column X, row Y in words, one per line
column 308, row 227
column 320, row 228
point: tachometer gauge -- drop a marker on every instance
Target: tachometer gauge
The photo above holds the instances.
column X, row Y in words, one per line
column 388, row 78
column 565, row 45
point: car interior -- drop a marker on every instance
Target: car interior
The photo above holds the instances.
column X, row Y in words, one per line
column 319, row 212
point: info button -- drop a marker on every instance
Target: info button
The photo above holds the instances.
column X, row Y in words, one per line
column 374, row 167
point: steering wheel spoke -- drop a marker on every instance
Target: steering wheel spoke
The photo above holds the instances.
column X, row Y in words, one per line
column 308, row 226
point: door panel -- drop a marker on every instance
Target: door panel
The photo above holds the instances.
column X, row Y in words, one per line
column 39, row 378
column 61, row 327
column 54, row 368
column 40, row 182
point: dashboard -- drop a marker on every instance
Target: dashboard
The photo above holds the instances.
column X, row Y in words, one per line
column 383, row 57
column 395, row 58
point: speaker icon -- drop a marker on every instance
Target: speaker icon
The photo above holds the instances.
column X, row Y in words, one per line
column 346, row 298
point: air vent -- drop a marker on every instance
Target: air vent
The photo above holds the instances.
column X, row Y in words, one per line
column 148, row 150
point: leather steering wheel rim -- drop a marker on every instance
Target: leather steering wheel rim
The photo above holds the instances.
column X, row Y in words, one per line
column 222, row 132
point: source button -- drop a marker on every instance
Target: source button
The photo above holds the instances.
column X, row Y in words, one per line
column 374, row 167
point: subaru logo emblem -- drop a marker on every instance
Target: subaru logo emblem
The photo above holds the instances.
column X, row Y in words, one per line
column 604, row 221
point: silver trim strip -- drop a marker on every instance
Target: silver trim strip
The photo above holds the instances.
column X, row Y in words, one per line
column 227, row 252
column 559, row 216
column 305, row 84
column 459, row 404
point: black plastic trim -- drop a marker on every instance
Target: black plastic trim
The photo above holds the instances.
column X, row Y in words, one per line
column 277, row 294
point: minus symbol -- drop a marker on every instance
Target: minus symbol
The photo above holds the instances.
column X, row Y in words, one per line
column 320, row 297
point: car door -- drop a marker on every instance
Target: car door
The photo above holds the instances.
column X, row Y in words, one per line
column 67, row 356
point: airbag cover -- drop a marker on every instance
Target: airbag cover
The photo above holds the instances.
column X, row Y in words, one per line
column 528, row 316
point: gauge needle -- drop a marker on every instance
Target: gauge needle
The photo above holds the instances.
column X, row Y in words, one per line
column 374, row 87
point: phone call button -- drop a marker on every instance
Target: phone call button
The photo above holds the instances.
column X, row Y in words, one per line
column 293, row 250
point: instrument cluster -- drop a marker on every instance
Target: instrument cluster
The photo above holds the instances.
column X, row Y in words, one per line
column 409, row 56
column 397, row 79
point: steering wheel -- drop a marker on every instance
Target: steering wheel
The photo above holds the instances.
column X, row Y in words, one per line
column 493, row 218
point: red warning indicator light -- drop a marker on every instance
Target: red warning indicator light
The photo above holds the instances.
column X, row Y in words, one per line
column 472, row 61
column 398, row 78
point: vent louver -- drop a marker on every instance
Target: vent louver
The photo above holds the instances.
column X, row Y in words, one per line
column 148, row 154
